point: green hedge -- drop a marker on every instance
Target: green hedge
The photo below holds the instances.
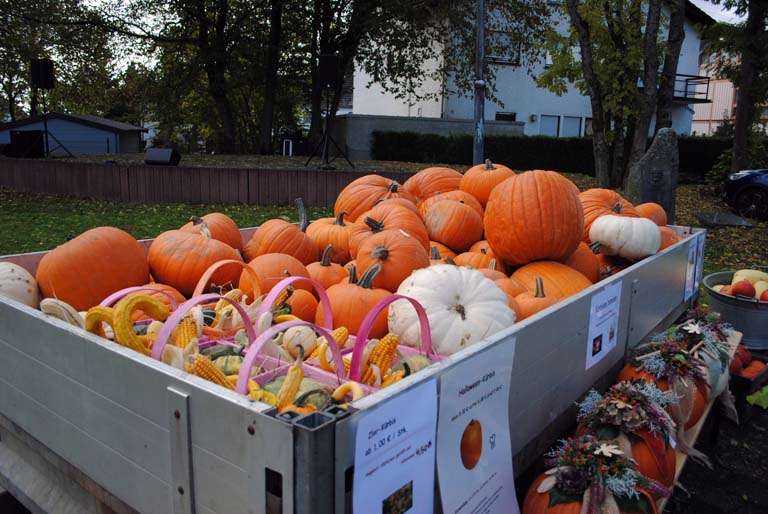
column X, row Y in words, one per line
column 568, row 154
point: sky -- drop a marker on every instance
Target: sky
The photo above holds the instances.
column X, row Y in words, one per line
column 717, row 11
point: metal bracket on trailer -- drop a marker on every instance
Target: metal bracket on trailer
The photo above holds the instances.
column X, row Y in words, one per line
column 181, row 452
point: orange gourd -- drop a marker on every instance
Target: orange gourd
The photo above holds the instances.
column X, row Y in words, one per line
column 280, row 236
column 332, row 231
column 271, row 268
column 221, row 226
column 560, row 281
column 455, row 195
column 326, row 272
column 454, row 224
column 585, row 261
column 653, row 212
column 429, row 181
column 303, row 304
column 398, row 255
column 383, row 217
column 480, row 180
column 362, row 194
column 531, row 303
column 598, row 202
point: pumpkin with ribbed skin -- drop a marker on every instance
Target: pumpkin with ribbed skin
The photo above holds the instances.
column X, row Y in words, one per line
column 480, row 180
column 332, row 231
column 560, row 281
column 630, row 238
column 584, row 260
column 653, row 212
column 303, row 304
column 429, row 181
column 383, row 217
column 598, row 202
column 530, row 303
column 510, row 286
column 271, row 268
column 362, row 194
column 492, row 271
column 480, row 246
column 534, row 215
column 87, row 269
column 454, row 224
column 351, row 302
column 180, row 258
column 325, row 272
column 139, row 314
column 18, row 284
column 477, row 260
column 455, row 195
column 221, row 226
column 442, row 249
column 280, row 236
column 398, row 254
column 668, row 237
column 399, row 202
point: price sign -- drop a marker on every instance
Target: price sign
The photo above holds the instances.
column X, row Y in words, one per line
column 604, row 313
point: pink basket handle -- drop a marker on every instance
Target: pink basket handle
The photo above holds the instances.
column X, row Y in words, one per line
column 264, row 337
column 114, row 297
column 199, row 288
column 361, row 338
column 165, row 333
column 281, row 286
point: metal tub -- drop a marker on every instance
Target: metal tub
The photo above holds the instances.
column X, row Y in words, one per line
column 747, row 315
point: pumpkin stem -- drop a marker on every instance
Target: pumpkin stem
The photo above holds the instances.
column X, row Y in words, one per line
column 380, row 252
column 326, row 260
column 375, row 226
column 595, row 247
column 303, row 219
column 340, row 219
column 539, row 288
column 449, row 260
column 484, row 251
column 393, row 186
column 434, row 253
column 366, row 281
column 204, row 230
column 352, row 273
column 462, row 312
column 196, row 220
column 617, row 208
column 489, row 165
column 492, row 265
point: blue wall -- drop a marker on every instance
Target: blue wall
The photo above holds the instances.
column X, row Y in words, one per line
column 77, row 138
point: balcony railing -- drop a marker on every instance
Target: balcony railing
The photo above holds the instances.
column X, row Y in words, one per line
column 691, row 89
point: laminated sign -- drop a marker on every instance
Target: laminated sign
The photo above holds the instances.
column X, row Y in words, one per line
column 604, row 313
column 690, row 270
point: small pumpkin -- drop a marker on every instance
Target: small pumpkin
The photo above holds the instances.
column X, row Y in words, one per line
column 222, row 228
column 326, row 272
column 531, row 303
column 165, row 288
column 480, row 246
column 584, row 260
column 442, row 249
column 18, row 284
column 429, row 181
column 303, row 305
column 653, row 212
column 271, row 268
column 599, row 202
column 560, row 281
column 668, row 237
column 382, row 218
column 280, row 236
column 510, row 286
column 492, row 272
column 480, row 180
column 398, row 254
column 630, row 238
column 362, row 194
column 398, row 202
column 456, row 195
column 477, row 260
column 454, row 224
column 331, row 231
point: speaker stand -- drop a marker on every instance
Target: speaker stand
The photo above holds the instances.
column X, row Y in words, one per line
column 325, row 141
column 47, row 134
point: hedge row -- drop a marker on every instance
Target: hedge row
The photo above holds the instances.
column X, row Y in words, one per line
column 567, row 154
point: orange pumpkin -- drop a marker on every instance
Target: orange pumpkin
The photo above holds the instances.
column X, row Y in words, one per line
column 326, row 272
column 456, row 195
column 471, row 446
column 480, row 246
column 560, row 281
column 434, row 256
column 531, row 303
column 303, row 304
column 180, row 258
column 280, row 236
column 352, row 301
column 84, row 271
column 429, row 181
column 598, row 202
column 362, row 194
column 585, row 261
column 491, row 271
column 480, row 180
column 477, row 260
column 222, row 228
column 653, row 212
column 510, row 286
column 668, row 237
column 444, row 250
column 399, row 202
column 454, row 224
column 534, row 215
column 396, row 252
column 271, row 268
column 383, row 217
column 139, row 314
column 331, row 231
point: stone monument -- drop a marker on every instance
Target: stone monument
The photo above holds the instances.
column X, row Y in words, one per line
column 654, row 177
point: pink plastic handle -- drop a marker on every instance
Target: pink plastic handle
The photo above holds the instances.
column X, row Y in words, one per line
column 281, row 286
column 165, row 333
column 361, row 338
column 114, row 297
column 264, row 337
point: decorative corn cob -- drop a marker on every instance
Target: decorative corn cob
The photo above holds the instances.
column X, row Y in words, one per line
column 381, row 356
column 98, row 315
column 340, row 335
column 204, row 368
column 123, row 325
column 392, row 378
column 185, row 332
column 282, row 318
column 62, row 310
column 282, row 298
column 353, row 388
column 235, row 295
column 290, row 388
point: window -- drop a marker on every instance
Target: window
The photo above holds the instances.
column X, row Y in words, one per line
column 549, row 125
column 506, row 116
column 571, row 126
column 504, row 50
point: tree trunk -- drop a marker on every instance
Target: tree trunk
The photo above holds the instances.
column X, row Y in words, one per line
column 618, row 153
column 270, row 82
column 675, row 38
column 745, row 108
column 319, row 46
column 602, row 152
column 217, row 88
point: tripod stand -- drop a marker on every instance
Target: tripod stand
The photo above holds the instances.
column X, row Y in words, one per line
column 48, row 134
column 326, row 140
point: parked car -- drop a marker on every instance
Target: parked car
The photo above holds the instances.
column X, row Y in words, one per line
column 746, row 191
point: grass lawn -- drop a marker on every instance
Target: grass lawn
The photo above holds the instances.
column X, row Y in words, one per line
column 33, row 222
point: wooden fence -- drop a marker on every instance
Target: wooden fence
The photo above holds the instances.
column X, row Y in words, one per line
column 146, row 184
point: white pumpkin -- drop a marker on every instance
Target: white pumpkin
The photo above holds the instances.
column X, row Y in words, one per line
column 18, row 284
column 631, row 238
column 463, row 307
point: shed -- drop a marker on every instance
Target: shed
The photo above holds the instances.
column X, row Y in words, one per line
column 80, row 133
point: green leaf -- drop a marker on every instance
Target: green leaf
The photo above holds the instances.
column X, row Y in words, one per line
column 556, row 497
column 759, row 398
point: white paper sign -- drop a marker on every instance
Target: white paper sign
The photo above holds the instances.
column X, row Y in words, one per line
column 604, row 314
column 690, row 270
column 699, row 261
column 395, row 454
column 474, row 451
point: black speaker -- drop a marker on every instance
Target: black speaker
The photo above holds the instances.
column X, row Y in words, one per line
column 162, row 157
column 42, row 73
column 328, row 70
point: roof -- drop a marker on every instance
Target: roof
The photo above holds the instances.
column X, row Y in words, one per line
column 696, row 15
column 82, row 119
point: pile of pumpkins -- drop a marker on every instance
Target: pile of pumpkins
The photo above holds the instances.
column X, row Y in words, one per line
column 478, row 250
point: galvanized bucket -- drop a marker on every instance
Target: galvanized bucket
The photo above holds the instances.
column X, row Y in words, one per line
column 747, row 315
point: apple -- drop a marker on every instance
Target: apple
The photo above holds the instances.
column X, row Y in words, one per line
column 743, row 288
column 764, row 296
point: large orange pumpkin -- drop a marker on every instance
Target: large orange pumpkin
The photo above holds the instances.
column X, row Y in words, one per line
column 429, row 181
column 456, row 195
column 383, row 217
column 396, row 252
column 87, row 269
column 598, row 202
column 327, row 273
column 560, row 281
column 362, row 194
column 180, row 258
column 352, row 301
column 584, row 260
column 653, row 212
column 332, row 231
column 534, row 215
column 271, row 268
column 510, row 286
column 454, row 224
column 222, row 228
column 280, row 236
column 480, row 180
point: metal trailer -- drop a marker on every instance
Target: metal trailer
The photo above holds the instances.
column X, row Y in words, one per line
column 87, row 425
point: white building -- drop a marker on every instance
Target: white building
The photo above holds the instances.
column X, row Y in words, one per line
column 541, row 112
